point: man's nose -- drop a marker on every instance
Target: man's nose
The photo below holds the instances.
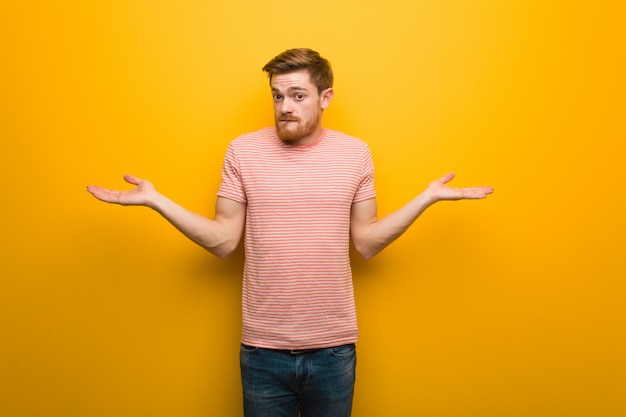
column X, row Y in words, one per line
column 286, row 106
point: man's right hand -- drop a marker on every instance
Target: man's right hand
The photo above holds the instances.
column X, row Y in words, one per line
column 142, row 195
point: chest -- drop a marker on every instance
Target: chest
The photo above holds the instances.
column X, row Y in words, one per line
column 289, row 178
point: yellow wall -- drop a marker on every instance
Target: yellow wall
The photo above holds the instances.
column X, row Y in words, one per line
column 512, row 306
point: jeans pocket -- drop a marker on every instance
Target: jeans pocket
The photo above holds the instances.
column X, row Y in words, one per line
column 248, row 349
column 343, row 351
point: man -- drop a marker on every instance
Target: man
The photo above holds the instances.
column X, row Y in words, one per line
column 302, row 192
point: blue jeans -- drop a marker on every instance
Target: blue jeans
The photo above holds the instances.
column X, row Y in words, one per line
column 279, row 383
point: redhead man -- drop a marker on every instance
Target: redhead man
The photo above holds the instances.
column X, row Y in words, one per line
column 302, row 193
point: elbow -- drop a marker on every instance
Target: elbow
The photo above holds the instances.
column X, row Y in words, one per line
column 224, row 250
column 368, row 254
column 220, row 253
column 369, row 246
column 365, row 251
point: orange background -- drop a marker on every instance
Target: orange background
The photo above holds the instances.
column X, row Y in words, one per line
column 511, row 306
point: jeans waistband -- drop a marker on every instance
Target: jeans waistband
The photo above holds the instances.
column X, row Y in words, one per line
column 302, row 351
column 288, row 351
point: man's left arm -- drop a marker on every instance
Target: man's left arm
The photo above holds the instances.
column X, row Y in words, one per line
column 371, row 235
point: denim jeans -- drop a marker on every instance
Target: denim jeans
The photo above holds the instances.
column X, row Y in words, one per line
column 279, row 383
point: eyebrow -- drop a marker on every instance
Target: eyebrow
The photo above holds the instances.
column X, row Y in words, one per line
column 290, row 89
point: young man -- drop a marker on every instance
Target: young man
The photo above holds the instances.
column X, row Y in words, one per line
column 302, row 192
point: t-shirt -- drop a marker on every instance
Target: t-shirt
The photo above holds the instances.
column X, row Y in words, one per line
column 297, row 288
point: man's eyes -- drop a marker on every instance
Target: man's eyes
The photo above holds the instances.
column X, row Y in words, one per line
column 298, row 97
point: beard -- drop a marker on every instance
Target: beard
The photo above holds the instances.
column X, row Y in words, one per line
column 290, row 134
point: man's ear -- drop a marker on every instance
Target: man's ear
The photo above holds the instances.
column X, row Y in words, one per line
column 326, row 98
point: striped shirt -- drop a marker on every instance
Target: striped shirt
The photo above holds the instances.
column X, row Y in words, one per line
column 297, row 282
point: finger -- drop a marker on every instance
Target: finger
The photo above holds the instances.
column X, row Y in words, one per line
column 131, row 179
column 447, row 178
column 104, row 194
column 477, row 192
column 95, row 190
column 484, row 191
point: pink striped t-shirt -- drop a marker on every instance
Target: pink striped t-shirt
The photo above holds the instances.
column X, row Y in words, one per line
column 297, row 281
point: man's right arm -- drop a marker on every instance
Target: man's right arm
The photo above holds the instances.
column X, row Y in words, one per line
column 220, row 236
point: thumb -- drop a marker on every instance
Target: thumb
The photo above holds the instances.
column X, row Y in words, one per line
column 131, row 179
column 447, row 178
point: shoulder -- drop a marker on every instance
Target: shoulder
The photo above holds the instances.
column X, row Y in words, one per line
column 258, row 136
column 253, row 142
column 342, row 137
column 345, row 141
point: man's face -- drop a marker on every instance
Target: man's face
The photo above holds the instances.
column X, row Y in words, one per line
column 298, row 107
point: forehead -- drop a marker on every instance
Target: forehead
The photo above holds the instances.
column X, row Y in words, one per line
column 291, row 80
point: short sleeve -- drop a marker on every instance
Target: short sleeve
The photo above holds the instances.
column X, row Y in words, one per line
column 366, row 188
column 232, row 186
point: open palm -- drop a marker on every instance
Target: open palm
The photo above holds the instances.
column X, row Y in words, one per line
column 439, row 190
column 138, row 196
